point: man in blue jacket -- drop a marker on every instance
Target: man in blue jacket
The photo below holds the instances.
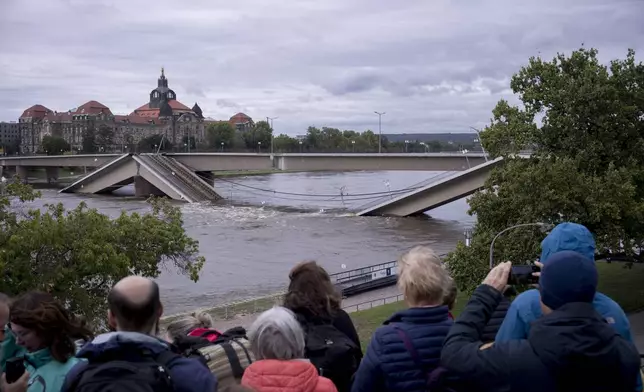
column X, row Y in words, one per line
column 132, row 355
column 526, row 308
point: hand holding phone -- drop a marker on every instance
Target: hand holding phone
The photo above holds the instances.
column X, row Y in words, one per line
column 15, row 368
column 524, row 274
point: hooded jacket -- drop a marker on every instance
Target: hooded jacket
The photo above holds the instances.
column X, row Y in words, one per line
column 45, row 373
column 188, row 375
column 272, row 375
column 572, row 349
column 389, row 365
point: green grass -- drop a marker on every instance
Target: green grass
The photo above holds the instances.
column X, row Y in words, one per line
column 625, row 286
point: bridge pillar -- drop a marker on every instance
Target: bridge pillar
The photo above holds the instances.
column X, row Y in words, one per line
column 52, row 174
column 207, row 176
column 143, row 188
column 21, row 171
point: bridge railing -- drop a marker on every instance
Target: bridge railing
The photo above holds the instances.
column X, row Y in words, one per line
column 411, row 188
column 373, row 303
column 344, row 276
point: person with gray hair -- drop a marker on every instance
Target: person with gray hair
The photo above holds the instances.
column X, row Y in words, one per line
column 277, row 340
column 197, row 324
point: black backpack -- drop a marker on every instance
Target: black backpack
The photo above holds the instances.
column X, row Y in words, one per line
column 111, row 373
column 332, row 352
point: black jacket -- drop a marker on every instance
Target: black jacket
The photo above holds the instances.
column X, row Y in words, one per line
column 571, row 349
column 492, row 326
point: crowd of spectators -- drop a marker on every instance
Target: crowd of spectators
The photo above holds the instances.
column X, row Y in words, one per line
column 563, row 335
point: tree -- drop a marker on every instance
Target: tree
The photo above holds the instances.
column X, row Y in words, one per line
column 77, row 255
column 260, row 135
column 220, row 132
column 586, row 164
column 105, row 138
column 152, row 143
column 89, row 140
column 54, row 145
column 285, row 144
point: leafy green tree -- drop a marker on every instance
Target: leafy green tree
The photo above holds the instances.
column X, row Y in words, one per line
column 89, row 140
column 54, row 145
column 77, row 255
column 261, row 133
column 152, row 143
column 585, row 123
column 105, row 138
column 220, row 132
column 285, row 144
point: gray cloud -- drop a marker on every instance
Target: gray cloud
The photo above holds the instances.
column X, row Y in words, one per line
column 432, row 66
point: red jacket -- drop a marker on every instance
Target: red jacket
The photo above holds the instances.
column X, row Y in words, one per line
column 271, row 375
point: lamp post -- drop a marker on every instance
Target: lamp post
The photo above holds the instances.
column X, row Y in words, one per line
column 544, row 226
column 269, row 120
column 222, row 146
column 464, row 152
column 380, row 131
column 259, row 147
column 353, row 146
column 478, row 133
column 300, row 146
column 406, row 145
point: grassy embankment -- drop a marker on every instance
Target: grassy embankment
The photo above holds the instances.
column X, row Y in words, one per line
column 621, row 284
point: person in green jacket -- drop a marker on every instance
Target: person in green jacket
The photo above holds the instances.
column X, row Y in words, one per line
column 42, row 332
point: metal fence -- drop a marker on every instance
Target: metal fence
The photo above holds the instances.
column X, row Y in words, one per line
column 373, row 303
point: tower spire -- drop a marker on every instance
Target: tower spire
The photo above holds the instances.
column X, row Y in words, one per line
column 162, row 72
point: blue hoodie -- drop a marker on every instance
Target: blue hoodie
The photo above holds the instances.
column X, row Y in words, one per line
column 526, row 307
column 188, row 375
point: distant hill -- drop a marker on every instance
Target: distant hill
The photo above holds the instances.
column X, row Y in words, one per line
column 457, row 138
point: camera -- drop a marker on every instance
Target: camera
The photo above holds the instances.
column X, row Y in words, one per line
column 522, row 275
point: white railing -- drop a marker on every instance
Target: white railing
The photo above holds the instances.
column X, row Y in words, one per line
column 373, row 303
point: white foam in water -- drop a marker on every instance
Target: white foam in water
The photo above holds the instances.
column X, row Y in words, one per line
column 343, row 266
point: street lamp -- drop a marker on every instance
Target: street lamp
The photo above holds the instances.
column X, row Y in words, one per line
column 478, row 133
column 465, row 151
column 380, row 131
column 259, row 147
column 222, row 146
column 269, row 120
column 544, row 227
column 406, row 145
column 426, row 146
column 353, row 146
column 300, row 146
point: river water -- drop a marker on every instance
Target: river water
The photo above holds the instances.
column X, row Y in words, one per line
column 253, row 239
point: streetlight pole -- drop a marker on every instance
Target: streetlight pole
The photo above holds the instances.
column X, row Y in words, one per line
column 544, row 226
column 269, row 120
column 478, row 133
column 380, row 130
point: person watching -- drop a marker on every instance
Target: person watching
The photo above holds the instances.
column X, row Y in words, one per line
column 133, row 355
column 571, row 348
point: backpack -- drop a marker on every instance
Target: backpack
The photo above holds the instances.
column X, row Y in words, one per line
column 332, row 352
column 227, row 357
column 209, row 334
column 111, row 373
column 436, row 380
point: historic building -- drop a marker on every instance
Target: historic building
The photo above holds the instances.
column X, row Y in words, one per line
column 162, row 115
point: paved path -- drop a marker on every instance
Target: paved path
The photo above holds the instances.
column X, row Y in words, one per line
column 637, row 329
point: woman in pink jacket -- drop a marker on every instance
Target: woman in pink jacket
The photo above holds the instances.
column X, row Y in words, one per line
column 277, row 340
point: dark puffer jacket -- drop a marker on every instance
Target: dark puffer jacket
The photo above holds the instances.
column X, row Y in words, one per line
column 571, row 349
column 388, row 365
column 492, row 327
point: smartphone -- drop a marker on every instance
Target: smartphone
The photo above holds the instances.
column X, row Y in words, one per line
column 522, row 274
column 14, row 369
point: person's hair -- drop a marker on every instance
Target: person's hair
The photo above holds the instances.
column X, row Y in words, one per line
column 50, row 321
column 182, row 326
column 311, row 292
column 450, row 294
column 421, row 276
column 135, row 316
column 276, row 334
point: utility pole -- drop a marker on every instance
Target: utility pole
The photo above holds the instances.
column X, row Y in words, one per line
column 380, row 131
column 269, row 120
column 478, row 133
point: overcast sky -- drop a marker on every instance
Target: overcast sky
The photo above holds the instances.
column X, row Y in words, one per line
column 431, row 65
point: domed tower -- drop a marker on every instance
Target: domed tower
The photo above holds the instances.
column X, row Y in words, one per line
column 197, row 111
column 165, row 110
column 162, row 93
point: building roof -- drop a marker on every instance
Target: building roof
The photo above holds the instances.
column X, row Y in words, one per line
column 240, row 118
column 92, row 107
column 58, row 117
column 147, row 111
column 38, row 111
column 133, row 119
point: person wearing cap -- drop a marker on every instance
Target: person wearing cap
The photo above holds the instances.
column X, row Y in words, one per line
column 571, row 348
column 526, row 308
